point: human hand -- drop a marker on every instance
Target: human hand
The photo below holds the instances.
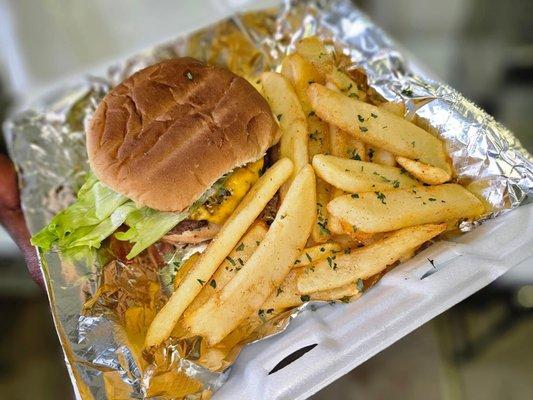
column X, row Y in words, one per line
column 12, row 219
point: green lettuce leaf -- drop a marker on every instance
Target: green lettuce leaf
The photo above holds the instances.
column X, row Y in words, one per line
column 95, row 215
column 147, row 226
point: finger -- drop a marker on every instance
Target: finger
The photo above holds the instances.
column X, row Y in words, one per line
column 12, row 218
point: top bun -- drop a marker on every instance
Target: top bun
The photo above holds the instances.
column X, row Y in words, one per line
column 168, row 132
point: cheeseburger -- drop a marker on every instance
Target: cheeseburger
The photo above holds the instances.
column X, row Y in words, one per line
column 172, row 150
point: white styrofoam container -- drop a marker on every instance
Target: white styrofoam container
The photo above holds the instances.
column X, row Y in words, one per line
column 347, row 335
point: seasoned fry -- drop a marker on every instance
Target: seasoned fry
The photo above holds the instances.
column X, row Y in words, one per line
column 334, row 223
column 267, row 267
column 394, row 108
column 184, row 269
column 358, row 236
column 230, row 266
column 364, row 262
column 288, row 295
column 359, row 176
column 315, row 253
column 377, row 127
column 345, row 145
column 314, row 50
column 319, row 143
column 345, row 84
column 384, row 157
column 424, row 172
column 229, row 235
column 301, row 73
column 396, row 209
column 286, row 107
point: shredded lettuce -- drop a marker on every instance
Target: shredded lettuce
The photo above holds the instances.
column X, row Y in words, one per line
column 95, row 215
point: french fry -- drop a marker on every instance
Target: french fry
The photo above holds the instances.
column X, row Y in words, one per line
column 315, row 52
column 424, row 172
column 267, row 267
column 395, row 209
column 334, row 224
column 288, row 295
column 315, row 253
column 229, row 235
column 313, row 49
column 301, row 73
column 394, row 108
column 359, row 176
column 285, row 105
column 319, row 143
column 213, row 357
column 345, row 84
column 230, row 266
column 366, row 261
column 361, row 238
column 345, row 145
column 377, row 127
column 184, row 269
column 384, row 157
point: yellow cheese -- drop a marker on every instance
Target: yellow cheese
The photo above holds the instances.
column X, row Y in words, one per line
column 237, row 184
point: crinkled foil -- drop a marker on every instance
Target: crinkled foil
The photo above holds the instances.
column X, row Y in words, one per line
column 101, row 311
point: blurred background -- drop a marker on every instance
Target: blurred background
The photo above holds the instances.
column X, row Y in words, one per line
column 480, row 349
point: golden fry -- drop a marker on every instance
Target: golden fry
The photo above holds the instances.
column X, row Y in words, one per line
column 377, row 127
column 424, row 172
column 366, row 261
column 267, row 267
column 395, row 209
column 228, row 236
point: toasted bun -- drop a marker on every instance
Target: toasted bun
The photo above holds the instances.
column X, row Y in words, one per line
column 167, row 133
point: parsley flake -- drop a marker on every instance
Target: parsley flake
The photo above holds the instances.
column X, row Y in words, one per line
column 231, row 260
column 305, row 297
column 240, row 247
column 201, row 282
column 381, row 197
column 213, row 284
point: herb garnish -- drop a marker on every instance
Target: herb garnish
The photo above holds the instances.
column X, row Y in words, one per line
column 279, row 291
column 201, row 282
column 213, row 284
column 381, row 197
column 305, row 297
column 407, row 92
column 360, row 285
column 240, row 247
column 308, row 257
column 279, row 116
column 355, row 196
column 373, row 115
column 363, row 129
column 231, row 260
column 360, row 118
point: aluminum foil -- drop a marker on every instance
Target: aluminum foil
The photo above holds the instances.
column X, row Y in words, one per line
column 102, row 310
